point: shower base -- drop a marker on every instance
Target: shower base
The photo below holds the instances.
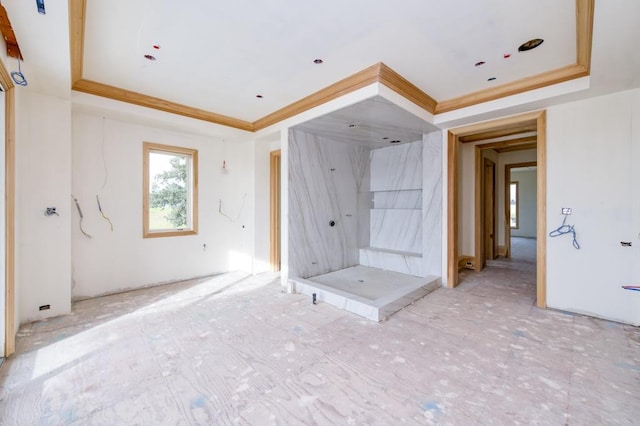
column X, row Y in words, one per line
column 369, row 292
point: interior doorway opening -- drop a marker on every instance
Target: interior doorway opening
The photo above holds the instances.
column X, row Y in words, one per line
column 507, row 135
column 520, row 202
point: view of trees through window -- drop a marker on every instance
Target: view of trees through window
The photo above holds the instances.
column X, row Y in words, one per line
column 170, row 182
column 168, row 195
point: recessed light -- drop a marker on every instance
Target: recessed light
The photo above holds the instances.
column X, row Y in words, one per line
column 506, row 55
column 491, row 79
column 150, row 57
column 480, row 63
column 395, row 141
column 531, row 44
column 318, row 61
column 156, row 46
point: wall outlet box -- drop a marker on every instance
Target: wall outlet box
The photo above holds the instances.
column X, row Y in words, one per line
column 566, row 210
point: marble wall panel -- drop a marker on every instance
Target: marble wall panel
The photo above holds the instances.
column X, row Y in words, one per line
column 328, row 181
column 409, row 199
column 432, row 203
column 396, row 229
column 397, row 167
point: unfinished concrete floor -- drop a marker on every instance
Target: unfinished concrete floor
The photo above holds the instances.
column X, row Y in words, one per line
column 233, row 349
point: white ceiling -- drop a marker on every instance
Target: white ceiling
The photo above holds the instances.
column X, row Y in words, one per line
column 219, row 55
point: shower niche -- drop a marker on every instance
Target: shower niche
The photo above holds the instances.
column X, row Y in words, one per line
column 364, row 214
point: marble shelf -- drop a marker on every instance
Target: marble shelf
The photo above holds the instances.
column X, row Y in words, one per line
column 393, row 260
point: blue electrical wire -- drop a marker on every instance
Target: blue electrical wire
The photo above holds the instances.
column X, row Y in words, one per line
column 18, row 77
column 565, row 229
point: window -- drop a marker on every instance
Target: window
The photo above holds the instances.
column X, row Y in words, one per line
column 170, row 190
column 513, row 205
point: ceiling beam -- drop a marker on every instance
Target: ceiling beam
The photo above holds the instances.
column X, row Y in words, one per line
column 118, row 94
column 77, row 14
column 585, row 10
column 405, row 88
column 13, row 50
column 537, row 81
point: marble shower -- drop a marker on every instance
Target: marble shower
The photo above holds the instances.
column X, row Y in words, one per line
column 352, row 206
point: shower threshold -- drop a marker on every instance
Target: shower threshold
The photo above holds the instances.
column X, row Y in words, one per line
column 369, row 292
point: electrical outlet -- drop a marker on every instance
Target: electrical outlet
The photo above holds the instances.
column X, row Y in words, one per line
column 44, row 307
column 566, row 210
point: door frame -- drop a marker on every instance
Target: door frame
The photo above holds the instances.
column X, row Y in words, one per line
column 10, row 201
column 480, row 216
column 274, row 208
column 505, row 126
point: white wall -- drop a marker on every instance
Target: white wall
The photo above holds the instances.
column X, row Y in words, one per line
column 122, row 259
column 43, row 179
column 593, row 159
column 527, row 193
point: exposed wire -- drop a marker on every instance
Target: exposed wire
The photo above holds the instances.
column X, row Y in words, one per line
column 221, row 212
column 18, row 77
column 631, row 287
column 566, row 229
column 244, row 200
column 106, row 176
column 102, row 213
column 81, row 217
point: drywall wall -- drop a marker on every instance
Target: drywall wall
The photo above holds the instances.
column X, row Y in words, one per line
column 43, row 179
column 593, row 156
column 107, row 161
column 328, row 183
column 527, row 188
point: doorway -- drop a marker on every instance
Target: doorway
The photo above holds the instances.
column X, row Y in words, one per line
column 511, row 132
column 517, row 207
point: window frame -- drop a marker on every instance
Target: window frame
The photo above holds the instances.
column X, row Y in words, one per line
column 517, row 205
column 147, row 149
